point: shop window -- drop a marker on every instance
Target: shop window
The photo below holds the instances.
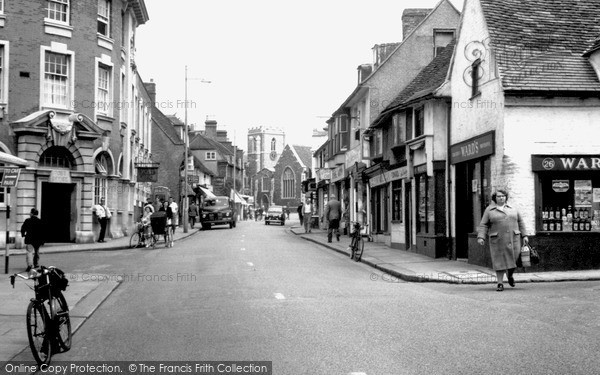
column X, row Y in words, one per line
column 425, row 204
column 397, row 201
column 570, row 202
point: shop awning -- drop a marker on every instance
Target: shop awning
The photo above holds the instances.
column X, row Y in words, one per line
column 207, row 193
column 12, row 160
column 238, row 199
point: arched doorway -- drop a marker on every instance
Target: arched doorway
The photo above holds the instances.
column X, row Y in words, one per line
column 58, row 198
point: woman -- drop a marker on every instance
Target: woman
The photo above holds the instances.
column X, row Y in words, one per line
column 146, row 222
column 502, row 225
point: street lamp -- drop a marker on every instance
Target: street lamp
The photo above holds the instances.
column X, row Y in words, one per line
column 186, row 146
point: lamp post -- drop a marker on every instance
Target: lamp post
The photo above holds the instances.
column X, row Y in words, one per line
column 186, row 146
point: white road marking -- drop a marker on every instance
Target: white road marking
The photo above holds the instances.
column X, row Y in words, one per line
column 279, row 296
column 357, row 373
column 250, row 264
column 243, row 249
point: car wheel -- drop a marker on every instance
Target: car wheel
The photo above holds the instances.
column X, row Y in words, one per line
column 206, row 226
column 282, row 223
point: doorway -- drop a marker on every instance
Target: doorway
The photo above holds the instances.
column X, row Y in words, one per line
column 56, row 208
column 408, row 214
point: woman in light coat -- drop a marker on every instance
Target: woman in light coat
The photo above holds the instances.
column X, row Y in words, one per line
column 502, row 225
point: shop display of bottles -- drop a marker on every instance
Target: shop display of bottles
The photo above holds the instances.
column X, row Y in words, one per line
column 582, row 219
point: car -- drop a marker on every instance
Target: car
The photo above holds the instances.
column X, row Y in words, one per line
column 275, row 214
column 217, row 211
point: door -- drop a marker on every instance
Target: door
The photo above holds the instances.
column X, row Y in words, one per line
column 463, row 211
column 56, row 208
column 408, row 214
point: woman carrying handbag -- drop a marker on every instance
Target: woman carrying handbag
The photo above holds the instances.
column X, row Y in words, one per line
column 503, row 227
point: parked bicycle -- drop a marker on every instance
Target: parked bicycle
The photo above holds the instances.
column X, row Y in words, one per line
column 140, row 238
column 357, row 243
column 48, row 321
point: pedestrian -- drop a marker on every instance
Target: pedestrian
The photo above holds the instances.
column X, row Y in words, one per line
column 307, row 212
column 102, row 212
column 31, row 230
column 149, row 204
column 147, row 223
column 333, row 213
column 175, row 210
column 300, row 210
column 193, row 213
column 503, row 227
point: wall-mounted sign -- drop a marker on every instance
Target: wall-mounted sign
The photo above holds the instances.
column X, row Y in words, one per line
column 60, row 176
column 560, row 186
column 542, row 163
column 389, row 176
column 337, row 173
column 147, row 172
column 10, row 178
column 473, row 148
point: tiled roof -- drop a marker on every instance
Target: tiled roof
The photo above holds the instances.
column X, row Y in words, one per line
column 198, row 164
column 539, row 44
column 202, row 142
column 165, row 124
column 425, row 83
column 305, row 155
column 595, row 46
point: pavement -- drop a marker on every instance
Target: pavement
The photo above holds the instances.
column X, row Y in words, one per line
column 84, row 297
column 397, row 264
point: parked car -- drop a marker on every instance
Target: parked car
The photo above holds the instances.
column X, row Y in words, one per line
column 275, row 214
column 217, row 211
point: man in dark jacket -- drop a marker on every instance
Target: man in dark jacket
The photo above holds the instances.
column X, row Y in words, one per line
column 301, row 212
column 333, row 213
column 31, row 230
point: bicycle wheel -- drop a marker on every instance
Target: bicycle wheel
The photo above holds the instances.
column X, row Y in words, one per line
column 40, row 341
column 352, row 246
column 63, row 322
column 360, row 246
column 135, row 240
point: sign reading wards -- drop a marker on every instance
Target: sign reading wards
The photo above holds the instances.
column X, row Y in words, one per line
column 542, row 163
column 473, row 148
column 10, row 178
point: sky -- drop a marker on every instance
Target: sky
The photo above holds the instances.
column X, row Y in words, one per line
column 272, row 63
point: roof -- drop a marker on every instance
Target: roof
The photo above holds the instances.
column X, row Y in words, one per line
column 304, row 155
column 539, row 44
column 425, row 83
column 595, row 46
column 165, row 124
column 202, row 142
column 198, row 165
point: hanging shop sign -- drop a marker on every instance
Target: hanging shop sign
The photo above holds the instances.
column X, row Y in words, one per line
column 147, row 172
column 473, row 148
column 542, row 163
column 389, row 176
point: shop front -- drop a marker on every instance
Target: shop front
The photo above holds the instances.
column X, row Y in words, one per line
column 473, row 193
column 567, row 211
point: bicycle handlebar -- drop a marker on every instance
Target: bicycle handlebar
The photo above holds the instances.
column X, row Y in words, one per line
column 34, row 274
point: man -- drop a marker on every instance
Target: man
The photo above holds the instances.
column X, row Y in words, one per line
column 192, row 213
column 332, row 213
column 307, row 212
column 103, row 214
column 175, row 209
column 31, row 230
column 300, row 210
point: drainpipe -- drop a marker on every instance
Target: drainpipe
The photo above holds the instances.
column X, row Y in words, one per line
column 451, row 253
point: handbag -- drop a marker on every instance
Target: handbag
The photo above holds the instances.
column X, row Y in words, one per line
column 524, row 257
column 534, row 256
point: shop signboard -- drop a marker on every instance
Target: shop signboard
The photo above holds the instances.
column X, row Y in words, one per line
column 542, row 163
column 473, row 148
column 323, row 174
column 389, row 176
column 337, row 173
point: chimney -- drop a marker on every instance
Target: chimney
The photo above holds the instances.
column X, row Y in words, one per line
column 364, row 71
column 222, row 135
column 151, row 89
column 411, row 18
column 381, row 52
column 210, row 129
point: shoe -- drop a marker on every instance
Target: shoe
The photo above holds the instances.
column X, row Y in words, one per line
column 500, row 288
column 328, row 241
column 511, row 281
column 100, row 241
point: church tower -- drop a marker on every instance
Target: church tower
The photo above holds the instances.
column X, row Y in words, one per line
column 265, row 144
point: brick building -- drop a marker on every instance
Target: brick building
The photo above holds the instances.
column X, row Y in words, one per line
column 74, row 106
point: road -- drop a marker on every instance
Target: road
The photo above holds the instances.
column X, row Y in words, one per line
column 258, row 292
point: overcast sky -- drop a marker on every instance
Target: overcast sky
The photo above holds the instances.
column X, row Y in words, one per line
column 272, row 63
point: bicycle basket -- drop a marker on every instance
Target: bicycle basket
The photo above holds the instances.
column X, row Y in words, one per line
column 58, row 282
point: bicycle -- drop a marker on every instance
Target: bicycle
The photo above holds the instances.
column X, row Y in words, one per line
column 48, row 320
column 139, row 239
column 357, row 243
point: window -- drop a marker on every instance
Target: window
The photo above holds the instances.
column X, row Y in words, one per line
column 104, row 17
column 56, row 80
column 2, row 72
column 378, row 145
column 399, row 129
column 211, row 155
column 58, row 10
column 409, row 124
column 475, row 77
column 419, row 122
column 103, row 95
column 441, row 38
column 289, row 184
column 99, row 189
column 397, row 200
column 266, row 184
column 425, row 202
column 57, row 157
column 273, row 144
